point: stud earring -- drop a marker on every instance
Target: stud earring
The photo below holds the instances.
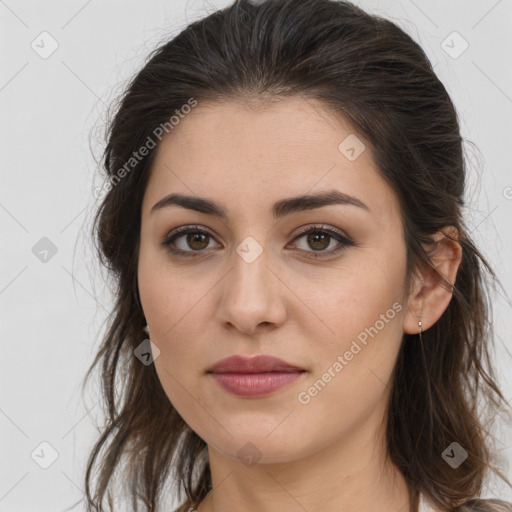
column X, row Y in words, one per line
column 146, row 329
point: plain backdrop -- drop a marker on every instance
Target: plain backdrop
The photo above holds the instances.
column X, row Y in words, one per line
column 62, row 64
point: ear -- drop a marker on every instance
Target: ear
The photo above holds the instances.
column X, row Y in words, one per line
column 430, row 296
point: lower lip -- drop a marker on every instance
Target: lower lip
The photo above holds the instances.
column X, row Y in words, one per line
column 255, row 384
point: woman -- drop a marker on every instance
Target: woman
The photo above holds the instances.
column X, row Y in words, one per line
column 284, row 222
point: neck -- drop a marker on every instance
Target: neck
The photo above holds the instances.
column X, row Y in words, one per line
column 347, row 476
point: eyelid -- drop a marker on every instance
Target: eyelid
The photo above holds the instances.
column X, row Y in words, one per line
column 182, row 230
column 343, row 240
column 321, row 227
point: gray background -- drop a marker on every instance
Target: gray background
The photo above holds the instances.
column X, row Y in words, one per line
column 53, row 108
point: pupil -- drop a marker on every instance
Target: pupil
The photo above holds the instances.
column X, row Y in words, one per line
column 314, row 239
column 192, row 239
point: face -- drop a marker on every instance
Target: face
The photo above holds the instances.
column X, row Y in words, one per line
column 320, row 288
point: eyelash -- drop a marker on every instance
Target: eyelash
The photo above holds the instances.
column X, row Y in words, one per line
column 337, row 235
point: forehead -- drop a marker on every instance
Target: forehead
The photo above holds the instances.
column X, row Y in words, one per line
column 254, row 154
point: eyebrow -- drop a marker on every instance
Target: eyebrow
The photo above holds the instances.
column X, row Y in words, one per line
column 280, row 209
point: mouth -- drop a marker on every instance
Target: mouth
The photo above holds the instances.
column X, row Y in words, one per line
column 252, row 365
column 255, row 376
column 255, row 385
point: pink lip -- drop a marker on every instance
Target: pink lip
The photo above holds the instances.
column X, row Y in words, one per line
column 255, row 376
column 255, row 384
column 255, row 364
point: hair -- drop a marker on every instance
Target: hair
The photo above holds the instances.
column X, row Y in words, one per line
column 368, row 70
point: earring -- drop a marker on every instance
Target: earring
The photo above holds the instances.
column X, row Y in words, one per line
column 146, row 330
column 419, row 327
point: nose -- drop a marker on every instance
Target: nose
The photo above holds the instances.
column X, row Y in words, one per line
column 252, row 295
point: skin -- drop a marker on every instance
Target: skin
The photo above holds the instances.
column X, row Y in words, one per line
column 328, row 454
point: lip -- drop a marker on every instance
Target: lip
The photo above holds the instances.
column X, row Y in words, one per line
column 254, row 376
column 255, row 384
column 255, row 364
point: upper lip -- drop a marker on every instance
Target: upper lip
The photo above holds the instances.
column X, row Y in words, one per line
column 255, row 364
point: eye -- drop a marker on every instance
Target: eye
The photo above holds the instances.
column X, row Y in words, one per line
column 193, row 237
column 318, row 238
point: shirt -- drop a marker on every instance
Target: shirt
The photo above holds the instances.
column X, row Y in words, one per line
column 424, row 506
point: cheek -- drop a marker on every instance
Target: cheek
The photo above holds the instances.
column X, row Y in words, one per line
column 174, row 328
column 353, row 366
column 356, row 301
column 168, row 293
column 354, row 359
column 172, row 302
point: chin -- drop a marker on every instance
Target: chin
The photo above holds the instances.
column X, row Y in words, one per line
column 259, row 448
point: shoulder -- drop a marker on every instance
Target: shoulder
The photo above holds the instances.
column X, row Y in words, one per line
column 480, row 505
column 473, row 505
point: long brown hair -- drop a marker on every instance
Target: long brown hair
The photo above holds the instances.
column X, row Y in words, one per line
column 368, row 70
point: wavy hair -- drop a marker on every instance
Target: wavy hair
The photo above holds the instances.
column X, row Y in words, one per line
column 368, row 70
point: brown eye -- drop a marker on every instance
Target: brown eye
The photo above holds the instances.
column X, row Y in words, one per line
column 187, row 241
column 196, row 241
column 319, row 239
